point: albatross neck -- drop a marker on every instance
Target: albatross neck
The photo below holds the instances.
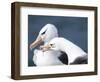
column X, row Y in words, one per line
column 72, row 50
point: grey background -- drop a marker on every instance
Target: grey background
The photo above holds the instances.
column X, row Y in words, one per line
column 71, row 28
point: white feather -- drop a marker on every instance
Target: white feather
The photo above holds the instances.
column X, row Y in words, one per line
column 73, row 51
column 50, row 57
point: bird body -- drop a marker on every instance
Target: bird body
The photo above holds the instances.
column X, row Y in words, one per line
column 50, row 57
column 46, row 58
column 61, row 44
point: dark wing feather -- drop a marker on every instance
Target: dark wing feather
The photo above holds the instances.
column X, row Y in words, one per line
column 63, row 58
column 81, row 60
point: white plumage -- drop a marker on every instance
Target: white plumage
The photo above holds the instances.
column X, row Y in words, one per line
column 61, row 44
column 40, row 58
column 46, row 58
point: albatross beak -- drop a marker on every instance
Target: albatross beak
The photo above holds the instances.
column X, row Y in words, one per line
column 46, row 47
column 36, row 42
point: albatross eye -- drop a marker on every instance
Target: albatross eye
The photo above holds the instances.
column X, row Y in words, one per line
column 44, row 32
column 52, row 45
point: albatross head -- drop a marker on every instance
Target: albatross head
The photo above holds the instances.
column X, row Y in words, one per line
column 54, row 44
column 48, row 32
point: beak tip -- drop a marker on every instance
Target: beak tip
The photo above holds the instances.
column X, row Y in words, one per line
column 31, row 47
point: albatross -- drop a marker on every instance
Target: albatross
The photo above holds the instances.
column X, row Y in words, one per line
column 75, row 54
column 50, row 57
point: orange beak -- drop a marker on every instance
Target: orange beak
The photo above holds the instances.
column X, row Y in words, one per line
column 36, row 42
column 46, row 47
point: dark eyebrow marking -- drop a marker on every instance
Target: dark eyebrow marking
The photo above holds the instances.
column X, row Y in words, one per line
column 44, row 32
column 51, row 44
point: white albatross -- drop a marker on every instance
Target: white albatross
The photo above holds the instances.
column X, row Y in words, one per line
column 75, row 54
column 40, row 58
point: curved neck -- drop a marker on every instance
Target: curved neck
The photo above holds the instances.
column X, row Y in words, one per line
column 72, row 50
